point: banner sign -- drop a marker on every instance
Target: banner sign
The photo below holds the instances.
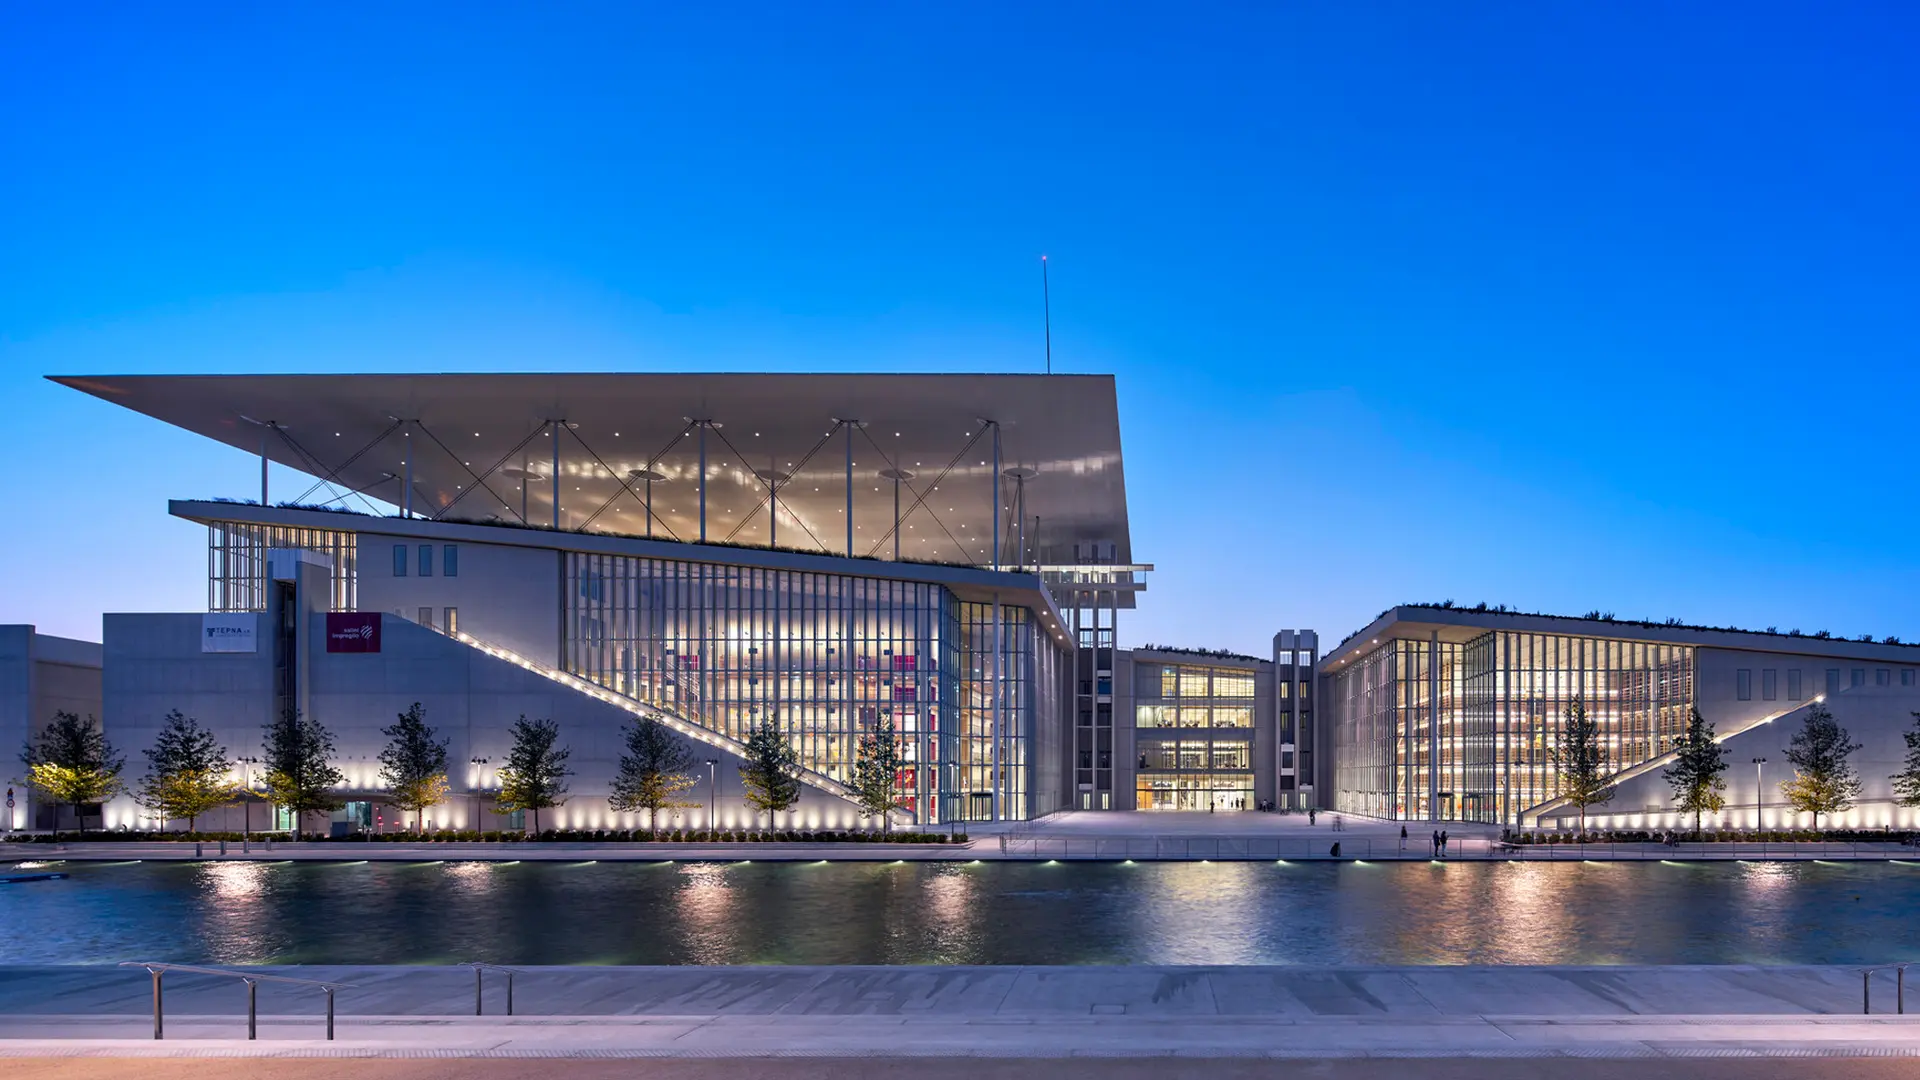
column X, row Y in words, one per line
column 229, row 631
column 353, row 631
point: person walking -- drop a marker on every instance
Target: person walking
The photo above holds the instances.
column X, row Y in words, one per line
column 1436, row 843
column 1310, row 816
column 1443, row 843
column 1403, row 839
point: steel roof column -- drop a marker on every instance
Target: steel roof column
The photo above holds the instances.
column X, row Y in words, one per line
column 997, row 783
column 1433, row 727
column 406, row 504
column 997, row 509
column 850, row 489
column 703, row 481
column 264, row 432
column 553, row 432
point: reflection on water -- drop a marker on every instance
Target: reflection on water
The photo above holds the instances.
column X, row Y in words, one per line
column 972, row 913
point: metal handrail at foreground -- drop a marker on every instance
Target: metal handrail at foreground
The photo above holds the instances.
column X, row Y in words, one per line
column 157, row 970
column 479, row 969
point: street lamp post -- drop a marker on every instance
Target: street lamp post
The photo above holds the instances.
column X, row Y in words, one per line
column 713, row 792
column 1759, row 790
column 246, row 803
column 476, row 763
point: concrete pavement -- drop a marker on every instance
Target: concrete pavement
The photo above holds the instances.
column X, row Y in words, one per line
column 996, row 1013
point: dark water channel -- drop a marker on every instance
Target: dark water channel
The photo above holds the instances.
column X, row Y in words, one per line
column 990, row 913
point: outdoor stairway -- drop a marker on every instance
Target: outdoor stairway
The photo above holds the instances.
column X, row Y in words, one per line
column 697, row 732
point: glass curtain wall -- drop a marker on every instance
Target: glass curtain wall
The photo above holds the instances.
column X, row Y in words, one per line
column 1463, row 732
column 1640, row 692
column 1208, row 765
column 824, row 657
column 237, row 563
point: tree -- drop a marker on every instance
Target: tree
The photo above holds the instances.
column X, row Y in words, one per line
column 1823, row 781
column 298, row 760
column 877, row 762
column 1580, row 760
column 534, row 776
column 414, row 764
column 1906, row 782
column 653, row 770
column 1695, row 772
column 771, row 771
column 71, row 762
column 188, row 772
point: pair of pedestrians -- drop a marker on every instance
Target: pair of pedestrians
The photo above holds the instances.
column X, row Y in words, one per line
column 1439, row 843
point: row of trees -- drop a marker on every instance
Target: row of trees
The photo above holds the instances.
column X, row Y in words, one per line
column 189, row 773
column 1824, row 779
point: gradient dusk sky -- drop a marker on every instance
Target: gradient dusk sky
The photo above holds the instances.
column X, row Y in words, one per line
column 1559, row 305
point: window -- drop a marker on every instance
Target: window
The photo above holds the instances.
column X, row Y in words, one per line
column 426, row 617
column 1769, row 684
column 450, row 560
column 1286, row 689
column 1833, row 681
column 1743, row 684
column 1859, row 678
column 1233, row 684
column 1232, row 716
column 453, row 620
column 1193, row 682
column 1906, row 676
column 1154, row 716
column 426, row 560
column 399, row 560
column 1882, row 677
column 1794, row 689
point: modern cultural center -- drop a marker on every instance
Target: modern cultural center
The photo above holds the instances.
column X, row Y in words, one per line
column 821, row 552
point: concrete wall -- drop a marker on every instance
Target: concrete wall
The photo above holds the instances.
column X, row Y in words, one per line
column 470, row 698
column 39, row 676
column 507, row 596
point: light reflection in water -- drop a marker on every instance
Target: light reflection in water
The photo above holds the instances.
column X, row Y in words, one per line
column 971, row 913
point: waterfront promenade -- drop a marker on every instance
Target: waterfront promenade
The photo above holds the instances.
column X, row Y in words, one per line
column 1064, row 836
column 1003, row 1013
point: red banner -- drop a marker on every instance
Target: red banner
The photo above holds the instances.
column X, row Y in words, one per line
column 353, row 631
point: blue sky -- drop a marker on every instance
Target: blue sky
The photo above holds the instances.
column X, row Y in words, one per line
column 1564, row 306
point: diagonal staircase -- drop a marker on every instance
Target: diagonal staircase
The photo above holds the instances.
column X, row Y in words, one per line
column 697, row 732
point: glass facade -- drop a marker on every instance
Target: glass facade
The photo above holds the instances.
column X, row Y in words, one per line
column 1463, row 731
column 1208, row 763
column 237, row 563
column 824, row 657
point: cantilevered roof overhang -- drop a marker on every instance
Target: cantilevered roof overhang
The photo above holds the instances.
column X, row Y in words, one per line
column 483, row 447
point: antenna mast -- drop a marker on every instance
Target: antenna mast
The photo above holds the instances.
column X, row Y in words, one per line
column 1046, row 304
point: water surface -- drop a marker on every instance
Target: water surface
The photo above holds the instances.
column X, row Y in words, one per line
column 980, row 913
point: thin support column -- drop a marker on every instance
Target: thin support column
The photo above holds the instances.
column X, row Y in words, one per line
column 997, row 508
column 406, row 502
column 850, row 425
column 1433, row 727
column 995, row 757
column 896, row 517
column 553, row 432
column 773, row 503
column 703, row 481
column 266, row 431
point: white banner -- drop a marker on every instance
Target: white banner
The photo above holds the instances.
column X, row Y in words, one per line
column 222, row 631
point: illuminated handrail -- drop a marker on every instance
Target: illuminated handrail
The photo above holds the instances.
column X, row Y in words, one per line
column 691, row 730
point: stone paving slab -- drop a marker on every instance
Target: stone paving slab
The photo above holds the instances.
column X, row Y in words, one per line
column 748, row 1037
column 1398, row 993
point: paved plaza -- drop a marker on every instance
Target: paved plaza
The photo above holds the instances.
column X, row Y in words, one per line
column 994, row 1013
